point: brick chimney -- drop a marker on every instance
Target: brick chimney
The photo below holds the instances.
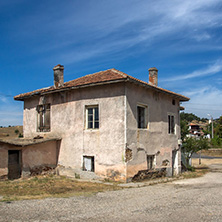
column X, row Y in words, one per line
column 153, row 76
column 58, row 76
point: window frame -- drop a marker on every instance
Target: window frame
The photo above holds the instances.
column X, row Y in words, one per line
column 151, row 161
column 43, row 112
column 171, row 123
column 92, row 159
column 142, row 124
column 95, row 117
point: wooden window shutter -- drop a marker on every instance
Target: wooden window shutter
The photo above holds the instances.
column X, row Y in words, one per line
column 47, row 117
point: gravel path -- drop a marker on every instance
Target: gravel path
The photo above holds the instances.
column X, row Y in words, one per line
column 197, row 199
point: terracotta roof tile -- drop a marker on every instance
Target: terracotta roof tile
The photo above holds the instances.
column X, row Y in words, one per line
column 102, row 76
column 106, row 76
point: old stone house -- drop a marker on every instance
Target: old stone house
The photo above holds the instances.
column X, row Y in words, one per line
column 107, row 124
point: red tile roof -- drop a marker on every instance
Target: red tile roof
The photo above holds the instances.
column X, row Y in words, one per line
column 102, row 77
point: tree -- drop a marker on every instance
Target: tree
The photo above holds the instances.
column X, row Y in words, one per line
column 218, row 128
column 193, row 145
column 184, row 129
column 189, row 117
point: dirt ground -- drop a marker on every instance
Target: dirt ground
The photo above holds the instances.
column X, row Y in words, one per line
column 196, row 199
column 205, row 162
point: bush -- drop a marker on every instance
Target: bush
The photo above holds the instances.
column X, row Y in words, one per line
column 16, row 131
column 216, row 141
column 190, row 168
column 193, row 145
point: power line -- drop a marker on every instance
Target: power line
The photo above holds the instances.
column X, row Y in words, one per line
column 204, row 104
column 203, row 109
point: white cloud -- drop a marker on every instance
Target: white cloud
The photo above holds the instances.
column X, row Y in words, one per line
column 11, row 113
column 131, row 23
column 3, row 99
column 202, row 37
column 210, row 70
column 203, row 101
column 11, row 118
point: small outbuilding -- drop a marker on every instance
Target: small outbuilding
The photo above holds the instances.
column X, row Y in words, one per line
column 23, row 157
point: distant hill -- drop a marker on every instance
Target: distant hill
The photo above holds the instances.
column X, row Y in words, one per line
column 189, row 117
column 11, row 132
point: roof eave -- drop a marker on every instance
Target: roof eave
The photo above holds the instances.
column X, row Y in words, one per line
column 69, row 88
column 27, row 142
column 175, row 95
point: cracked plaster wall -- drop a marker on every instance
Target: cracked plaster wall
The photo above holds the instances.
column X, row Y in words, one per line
column 68, row 121
column 154, row 139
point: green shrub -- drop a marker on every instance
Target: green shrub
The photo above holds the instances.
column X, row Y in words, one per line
column 216, row 141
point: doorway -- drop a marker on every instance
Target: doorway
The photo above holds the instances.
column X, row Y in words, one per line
column 14, row 164
column 150, row 161
column 88, row 163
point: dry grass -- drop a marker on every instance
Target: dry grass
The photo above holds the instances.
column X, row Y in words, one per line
column 49, row 186
column 198, row 172
column 9, row 132
column 205, row 162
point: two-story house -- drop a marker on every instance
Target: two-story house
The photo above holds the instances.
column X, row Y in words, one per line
column 195, row 130
column 107, row 124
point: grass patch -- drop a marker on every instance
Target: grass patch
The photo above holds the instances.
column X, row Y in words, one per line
column 196, row 172
column 49, row 186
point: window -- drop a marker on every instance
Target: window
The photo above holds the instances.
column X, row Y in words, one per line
column 88, row 163
column 171, row 124
column 150, row 161
column 43, row 118
column 141, row 117
column 92, row 117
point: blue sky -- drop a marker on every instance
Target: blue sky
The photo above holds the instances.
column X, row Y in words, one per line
column 183, row 39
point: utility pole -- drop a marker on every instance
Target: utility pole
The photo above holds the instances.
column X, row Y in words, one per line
column 212, row 122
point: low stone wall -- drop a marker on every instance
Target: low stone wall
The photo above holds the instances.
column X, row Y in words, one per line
column 149, row 174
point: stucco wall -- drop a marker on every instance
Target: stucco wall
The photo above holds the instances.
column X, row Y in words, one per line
column 39, row 155
column 154, row 140
column 106, row 144
column 3, row 162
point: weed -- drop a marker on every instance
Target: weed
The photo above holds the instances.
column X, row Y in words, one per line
column 77, row 176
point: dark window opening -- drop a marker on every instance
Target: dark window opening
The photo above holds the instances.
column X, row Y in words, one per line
column 141, row 117
column 150, row 161
column 173, row 102
column 171, row 124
